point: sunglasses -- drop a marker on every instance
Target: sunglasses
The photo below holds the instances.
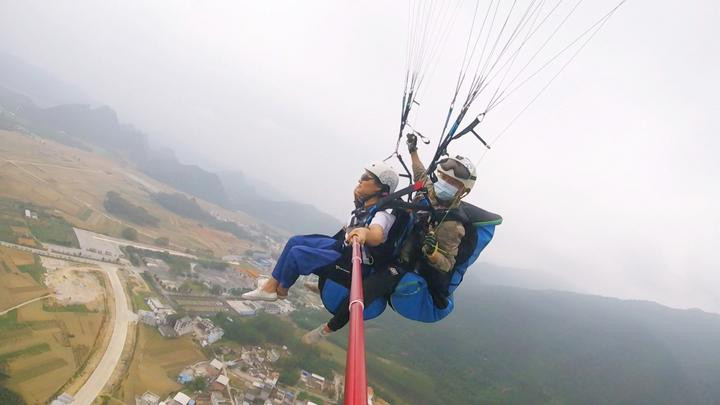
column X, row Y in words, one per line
column 456, row 167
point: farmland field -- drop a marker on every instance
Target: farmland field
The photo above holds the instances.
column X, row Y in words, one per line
column 157, row 362
column 72, row 184
column 17, row 286
column 39, row 349
column 15, row 227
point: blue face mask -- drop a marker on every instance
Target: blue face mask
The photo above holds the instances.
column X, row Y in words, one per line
column 444, row 191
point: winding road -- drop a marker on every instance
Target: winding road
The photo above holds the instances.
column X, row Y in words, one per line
column 110, row 359
column 120, row 319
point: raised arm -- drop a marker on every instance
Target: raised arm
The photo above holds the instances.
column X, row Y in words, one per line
column 418, row 169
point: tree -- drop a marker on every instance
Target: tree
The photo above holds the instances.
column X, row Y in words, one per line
column 10, row 398
column 289, row 376
column 117, row 205
column 216, row 289
column 197, row 384
column 130, row 234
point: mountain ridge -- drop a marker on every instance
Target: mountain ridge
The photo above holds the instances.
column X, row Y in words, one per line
column 77, row 125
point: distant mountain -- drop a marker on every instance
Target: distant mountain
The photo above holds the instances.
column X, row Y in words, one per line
column 81, row 125
column 492, row 274
column 43, row 88
column 293, row 216
column 518, row 346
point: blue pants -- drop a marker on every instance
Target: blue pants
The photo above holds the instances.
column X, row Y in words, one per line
column 302, row 255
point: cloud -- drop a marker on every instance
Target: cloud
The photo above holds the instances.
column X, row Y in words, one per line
column 608, row 182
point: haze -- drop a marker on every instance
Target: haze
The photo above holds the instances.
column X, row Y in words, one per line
column 608, row 183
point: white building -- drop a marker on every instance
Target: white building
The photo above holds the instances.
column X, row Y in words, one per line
column 162, row 315
column 217, row 398
column 183, row 326
column 272, row 355
column 155, row 305
column 147, row 317
column 215, row 334
column 236, row 259
column 217, row 364
column 272, row 308
column 222, row 380
column 243, row 308
column 182, row 399
column 64, row 399
column 148, row 398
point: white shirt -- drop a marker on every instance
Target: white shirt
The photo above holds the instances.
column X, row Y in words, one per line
column 384, row 219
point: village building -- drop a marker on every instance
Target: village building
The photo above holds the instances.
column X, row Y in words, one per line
column 183, row 326
column 147, row 317
column 64, row 399
column 217, row 398
column 148, row 398
column 182, row 399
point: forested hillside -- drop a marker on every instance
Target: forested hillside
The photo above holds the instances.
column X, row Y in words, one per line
column 509, row 345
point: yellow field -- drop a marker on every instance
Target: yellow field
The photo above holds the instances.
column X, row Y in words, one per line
column 157, row 362
column 16, row 287
column 56, row 345
column 74, row 183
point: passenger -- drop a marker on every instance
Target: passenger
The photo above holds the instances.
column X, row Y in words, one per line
column 430, row 249
column 306, row 254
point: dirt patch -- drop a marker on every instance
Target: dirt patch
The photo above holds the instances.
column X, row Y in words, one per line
column 71, row 284
column 21, row 231
column 27, row 242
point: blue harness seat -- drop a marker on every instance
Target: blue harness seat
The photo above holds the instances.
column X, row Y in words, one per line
column 412, row 298
column 333, row 294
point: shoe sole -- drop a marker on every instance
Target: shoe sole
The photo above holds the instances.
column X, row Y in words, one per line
column 259, row 299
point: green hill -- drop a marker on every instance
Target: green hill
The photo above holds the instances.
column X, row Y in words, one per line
column 510, row 345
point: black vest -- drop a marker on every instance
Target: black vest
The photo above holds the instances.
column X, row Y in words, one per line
column 382, row 254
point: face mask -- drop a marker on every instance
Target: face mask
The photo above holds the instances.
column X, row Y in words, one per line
column 445, row 191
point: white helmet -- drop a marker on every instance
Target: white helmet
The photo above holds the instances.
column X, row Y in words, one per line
column 385, row 173
column 459, row 168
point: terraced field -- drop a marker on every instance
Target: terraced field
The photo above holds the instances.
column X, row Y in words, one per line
column 42, row 350
column 39, row 349
column 17, row 286
column 71, row 185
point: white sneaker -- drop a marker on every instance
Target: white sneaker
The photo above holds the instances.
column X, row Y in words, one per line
column 259, row 295
column 261, row 281
column 315, row 336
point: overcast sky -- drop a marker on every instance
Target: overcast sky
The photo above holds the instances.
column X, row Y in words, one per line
column 609, row 182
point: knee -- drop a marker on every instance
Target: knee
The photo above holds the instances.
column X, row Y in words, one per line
column 296, row 251
column 294, row 240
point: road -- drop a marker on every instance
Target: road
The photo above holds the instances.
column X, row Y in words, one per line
column 119, row 321
column 25, row 303
column 54, row 255
column 110, row 359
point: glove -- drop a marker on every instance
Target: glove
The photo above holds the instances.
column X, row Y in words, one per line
column 430, row 244
column 411, row 142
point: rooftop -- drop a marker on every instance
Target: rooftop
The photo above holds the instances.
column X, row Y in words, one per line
column 216, row 364
column 182, row 398
column 223, row 379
